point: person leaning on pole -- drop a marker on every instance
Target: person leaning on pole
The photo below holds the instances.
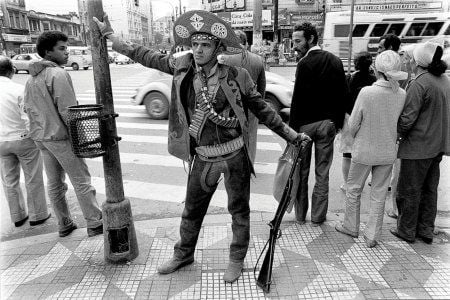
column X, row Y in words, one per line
column 48, row 93
column 18, row 150
column 208, row 127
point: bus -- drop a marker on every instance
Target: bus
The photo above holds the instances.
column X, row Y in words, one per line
column 369, row 27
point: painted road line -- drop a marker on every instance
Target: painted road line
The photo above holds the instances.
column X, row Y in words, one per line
column 130, row 125
column 175, row 193
column 156, row 139
column 171, row 161
column 133, row 115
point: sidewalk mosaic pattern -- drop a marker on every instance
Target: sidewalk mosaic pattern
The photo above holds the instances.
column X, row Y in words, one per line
column 310, row 263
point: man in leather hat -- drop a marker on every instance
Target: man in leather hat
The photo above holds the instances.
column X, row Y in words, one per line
column 208, row 127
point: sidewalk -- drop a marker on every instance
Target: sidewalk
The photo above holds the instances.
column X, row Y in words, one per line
column 310, row 263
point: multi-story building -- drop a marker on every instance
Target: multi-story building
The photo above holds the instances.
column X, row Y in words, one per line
column 69, row 24
column 14, row 25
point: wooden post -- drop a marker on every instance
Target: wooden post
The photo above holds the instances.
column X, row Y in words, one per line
column 119, row 233
column 276, row 36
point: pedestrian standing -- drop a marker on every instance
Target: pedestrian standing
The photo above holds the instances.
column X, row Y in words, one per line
column 254, row 64
column 360, row 78
column 17, row 151
column 48, row 93
column 208, row 127
column 424, row 126
column 318, row 109
column 373, row 124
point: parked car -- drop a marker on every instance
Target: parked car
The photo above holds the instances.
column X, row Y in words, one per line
column 122, row 59
column 156, row 92
column 21, row 62
column 79, row 57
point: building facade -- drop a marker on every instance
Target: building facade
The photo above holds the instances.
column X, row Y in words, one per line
column 20, row 27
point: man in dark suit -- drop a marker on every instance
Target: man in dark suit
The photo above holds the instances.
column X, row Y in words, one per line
column 318, row 109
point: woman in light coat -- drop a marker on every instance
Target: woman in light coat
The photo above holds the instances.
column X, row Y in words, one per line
column 373, row 124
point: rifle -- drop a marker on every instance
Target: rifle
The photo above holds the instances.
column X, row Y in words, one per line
column 265, row 274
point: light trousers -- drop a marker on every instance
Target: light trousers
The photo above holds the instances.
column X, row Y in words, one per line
column 381, row 175
column 16, row 154
column 59, row 160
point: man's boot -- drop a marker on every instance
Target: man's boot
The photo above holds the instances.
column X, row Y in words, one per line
column 233, row 271
column 174, row 264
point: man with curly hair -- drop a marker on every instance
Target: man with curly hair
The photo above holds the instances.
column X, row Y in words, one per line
column 318, row 109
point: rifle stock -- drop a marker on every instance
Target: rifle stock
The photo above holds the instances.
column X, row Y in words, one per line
column 265, row 274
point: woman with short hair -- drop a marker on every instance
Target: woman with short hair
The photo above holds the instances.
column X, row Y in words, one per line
column 373, row 124
column 424, row 126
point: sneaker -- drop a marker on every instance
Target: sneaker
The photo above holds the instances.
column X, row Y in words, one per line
column 174, row 264
column 95, row 231
column 67, row 231
column 21, row 222
column 370, row 243
column 340, row 228
column 34, row 223
column 233, row 271
column 316, row 224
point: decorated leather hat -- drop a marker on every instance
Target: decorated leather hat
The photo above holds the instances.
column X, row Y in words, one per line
column 195, row 22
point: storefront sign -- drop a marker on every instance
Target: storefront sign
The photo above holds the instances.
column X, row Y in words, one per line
column 314, row 18
column 16, row 38
column 219, row 5
column 245, row 18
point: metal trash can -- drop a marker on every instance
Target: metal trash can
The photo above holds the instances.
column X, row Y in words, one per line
column 85, row 130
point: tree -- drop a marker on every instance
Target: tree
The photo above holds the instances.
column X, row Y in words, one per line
column 158, row 38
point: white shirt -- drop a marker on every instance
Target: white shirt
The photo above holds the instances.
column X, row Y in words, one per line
column 13, row 120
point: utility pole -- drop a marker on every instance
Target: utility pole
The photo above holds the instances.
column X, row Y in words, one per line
column 276, row 37
column 180, row 7
column 120, row 243
column 350, row 37
column 257, row 23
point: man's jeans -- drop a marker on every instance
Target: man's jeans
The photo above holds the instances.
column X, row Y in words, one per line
column 322, row 134
column 58, row 160
column 417, row 197
column 202, row 184
column 357, row 177
column 25, row 154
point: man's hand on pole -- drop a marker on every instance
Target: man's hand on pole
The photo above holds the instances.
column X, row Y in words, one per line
column 105, row 26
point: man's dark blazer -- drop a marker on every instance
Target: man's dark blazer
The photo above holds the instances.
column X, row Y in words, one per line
column 320, row 90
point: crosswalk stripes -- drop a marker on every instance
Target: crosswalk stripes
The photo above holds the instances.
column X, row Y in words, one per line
column 138, row 122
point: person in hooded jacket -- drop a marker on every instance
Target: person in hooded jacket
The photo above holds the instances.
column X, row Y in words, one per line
column 48, row 93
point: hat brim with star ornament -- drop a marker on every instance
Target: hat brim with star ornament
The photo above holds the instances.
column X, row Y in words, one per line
column 197, row 22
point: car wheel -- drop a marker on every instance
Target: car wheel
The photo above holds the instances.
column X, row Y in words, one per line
column 157, row 105
column 273, row 102
column 85, row 68
column 75, row 67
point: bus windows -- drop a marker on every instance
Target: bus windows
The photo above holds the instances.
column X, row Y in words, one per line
column 433, row 28
column 396, row 28
column 360, row 30
column 447, row 31
column 415, row 29
column 341, row 30
column 379, row 30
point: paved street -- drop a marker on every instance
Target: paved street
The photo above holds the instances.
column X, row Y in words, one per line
column 310, row 262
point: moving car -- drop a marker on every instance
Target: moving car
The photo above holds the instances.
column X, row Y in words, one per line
column 122, row 59
column 79, row 57
column 21, row 62
column 155, row 94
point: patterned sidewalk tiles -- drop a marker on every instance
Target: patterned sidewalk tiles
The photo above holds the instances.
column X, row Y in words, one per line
column 310, row 263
